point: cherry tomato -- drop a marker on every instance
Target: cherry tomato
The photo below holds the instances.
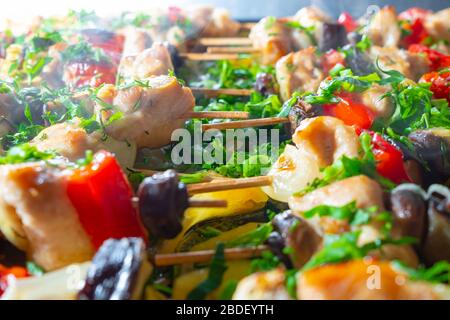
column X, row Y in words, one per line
column 331, row 58
column 347, row 21
column 417, row 33
column 440, row 84
column 80, row 74
column 111, row 43
column 15, row 271
column 102, row 196
column 352, row 112
column 389, row 159
column 436, row 59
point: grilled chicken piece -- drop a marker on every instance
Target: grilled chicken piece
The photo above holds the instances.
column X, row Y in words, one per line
column 299, row 71
column 151, row 113
column 326, row 139
column 365, row 191
column 53, row 71
column 37, row 216
column 214, row 22
column 320, row 141
column 154, row 61
column 309, row 17
column 438, row 24
column 362, row 280
column 71, row 141
column 412, row 65
column 272, row 38
column 381, row 107
column 136, row 41
column 383, row 28
column 263, row 286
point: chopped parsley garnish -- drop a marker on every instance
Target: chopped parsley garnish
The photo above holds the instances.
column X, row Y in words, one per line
column 253, row 238
column 25, row 153
column 83, row 51
column 438, row 273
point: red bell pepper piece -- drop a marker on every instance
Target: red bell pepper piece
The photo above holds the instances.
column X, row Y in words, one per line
column 330, row 59
column 5, row 273
column 417, row 33
column 436, row 59
column 90, row 73
column 389, row 159
column 352, row 112
column 347, row 21
column 440, row 84
column 101, row 194
column 112, row 46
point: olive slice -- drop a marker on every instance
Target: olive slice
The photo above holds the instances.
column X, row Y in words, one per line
column 118, row 271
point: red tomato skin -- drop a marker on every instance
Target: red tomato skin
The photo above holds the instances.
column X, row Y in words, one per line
column 102, row 196
column 418, row 34
column 440, row 84
column 347, row 21
column 389, row 159
column 80, row 74
column 414, row 13
column 436, row 59
column 330, row 59
column 350, row 111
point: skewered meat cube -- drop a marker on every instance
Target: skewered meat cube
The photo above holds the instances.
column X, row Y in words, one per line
column 412, row 65
column 381, row 107
column 263, row 286
column 154, row 61
column 438, row 24
column 272, row 38
column 71, row 141
column 326, row 139
column 152, row 113
column 38, row 217
column 299, row 71
column 383, row 28
column 136, row 41
column 213, row 22
column 351, row 280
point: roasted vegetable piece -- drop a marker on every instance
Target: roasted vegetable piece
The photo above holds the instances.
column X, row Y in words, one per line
column 433, row 149
column 409, row 209
column 16, row 272
column 347, row 21
column 118, row 271
column 265, row 84
column 162, row 202
column 334, row 36
column 101, row 194
column 436, row 59
column 359, row 62
column 437, row 242
column 293, row 240
column 302, row 110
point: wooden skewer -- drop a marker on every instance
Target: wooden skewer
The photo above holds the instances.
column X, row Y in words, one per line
column 229, row 184
column 206, row 256
column 217, row 115
column 216, row 92
column 231, row 50
column 211, row 56
column 196, row 203
column 244, row 41
column 247, row 25
column 244, row 123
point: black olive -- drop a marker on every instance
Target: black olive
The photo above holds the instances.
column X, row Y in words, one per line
column 333, row 36
column 265, row 84
column 162, row 202
column 297, row 236
column 177, row 61
column 409, row 212
column 116, row 271
column 434, row 153
column 302, row 110
column 437, row 242
column 359, row 62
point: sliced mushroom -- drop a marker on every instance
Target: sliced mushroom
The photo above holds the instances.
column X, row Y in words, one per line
column 118, row 271
column 297, row 236
column 302, row 110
